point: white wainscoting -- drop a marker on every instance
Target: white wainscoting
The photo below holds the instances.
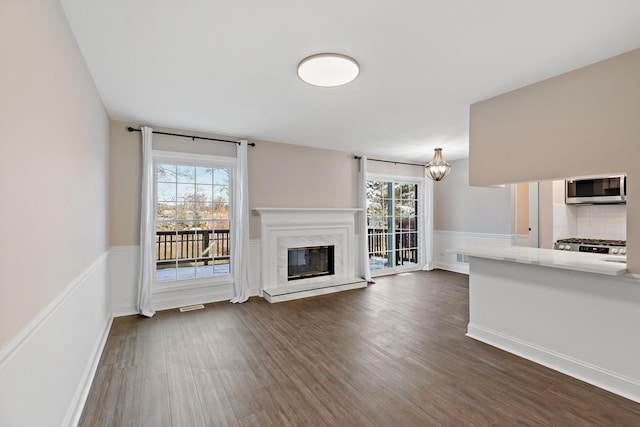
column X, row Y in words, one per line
column 47, row 369
column 123, row 278
column 444, row 240
column 254, row 267
column 123, row 267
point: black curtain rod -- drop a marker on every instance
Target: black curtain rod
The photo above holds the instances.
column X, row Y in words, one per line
column 253, row 144
column 390, row 161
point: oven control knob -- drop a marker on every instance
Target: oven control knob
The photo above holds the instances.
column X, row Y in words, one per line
column 615, row 250
column 567, row 248
column 623, row 251
column 561, row 247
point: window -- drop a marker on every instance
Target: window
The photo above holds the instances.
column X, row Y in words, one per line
column 392, row 225
column 193, row 217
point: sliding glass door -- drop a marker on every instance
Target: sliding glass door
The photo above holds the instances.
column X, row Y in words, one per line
column 392, row 225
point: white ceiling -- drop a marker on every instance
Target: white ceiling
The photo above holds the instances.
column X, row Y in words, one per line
column 229, row 67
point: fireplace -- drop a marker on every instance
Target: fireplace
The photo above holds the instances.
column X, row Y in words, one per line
column 307, row 252
column 311, row 261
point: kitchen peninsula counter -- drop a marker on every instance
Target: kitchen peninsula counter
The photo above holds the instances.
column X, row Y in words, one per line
column 577, row 313
column 610, row 265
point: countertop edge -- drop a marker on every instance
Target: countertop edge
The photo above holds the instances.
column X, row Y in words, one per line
column 575, row 261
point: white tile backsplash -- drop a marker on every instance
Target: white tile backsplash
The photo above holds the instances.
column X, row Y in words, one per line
column 564, row 221
column 600, row 221
column 589, row 221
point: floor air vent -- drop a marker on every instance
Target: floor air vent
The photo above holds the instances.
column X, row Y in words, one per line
column 191, row 308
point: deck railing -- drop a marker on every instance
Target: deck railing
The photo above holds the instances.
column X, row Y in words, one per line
column 188, row 246
column 212, row 246
column 406, row 245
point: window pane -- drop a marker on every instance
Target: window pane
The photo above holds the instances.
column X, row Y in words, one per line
column 205, row 225
column 204, row 269
column 204, row 175
column 186, row 192
column 166, row 173
column 380, row 260
column 166, row 192
column 221, row 193
column 221, row 210
column 405, row 191
column 192, row 230
column 378, row 207
column 166, row 272
column 204, row 211
column 221, row 225
column 221, row 177
column 186, row 270
column 204, row 193
column 376, row 223
column 186, row 174
column 166, row 211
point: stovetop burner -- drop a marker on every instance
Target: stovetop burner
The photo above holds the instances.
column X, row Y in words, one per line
column 594, row 242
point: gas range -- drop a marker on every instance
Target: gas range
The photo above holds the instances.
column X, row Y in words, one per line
column 596, row 246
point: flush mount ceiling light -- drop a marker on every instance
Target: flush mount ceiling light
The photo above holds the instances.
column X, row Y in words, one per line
column 328, row 69
column 437, row 169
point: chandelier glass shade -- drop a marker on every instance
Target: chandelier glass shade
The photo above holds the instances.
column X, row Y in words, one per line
column 437, row 169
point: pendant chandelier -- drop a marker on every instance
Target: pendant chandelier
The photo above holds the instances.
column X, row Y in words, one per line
column 437, row 169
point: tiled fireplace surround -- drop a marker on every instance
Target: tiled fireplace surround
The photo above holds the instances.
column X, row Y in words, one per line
column 284, row 228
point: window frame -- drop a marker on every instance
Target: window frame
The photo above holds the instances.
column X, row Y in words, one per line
column 202, row 160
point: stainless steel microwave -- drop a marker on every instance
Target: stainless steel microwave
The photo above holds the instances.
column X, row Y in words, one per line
column 607, row 189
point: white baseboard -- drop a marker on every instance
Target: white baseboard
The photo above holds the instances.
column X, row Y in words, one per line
column 605, row 379
column 125, row 311
column 459, row 267
column 204, row 295
column 80, row 398
column 47, row 369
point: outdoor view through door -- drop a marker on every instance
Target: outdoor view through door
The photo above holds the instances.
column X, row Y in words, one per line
column 192, row 221
column 392, row 225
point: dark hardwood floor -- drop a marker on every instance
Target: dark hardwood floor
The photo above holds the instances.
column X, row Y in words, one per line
column 394, row 354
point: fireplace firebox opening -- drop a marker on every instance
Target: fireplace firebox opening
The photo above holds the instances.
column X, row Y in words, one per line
column 312, row 261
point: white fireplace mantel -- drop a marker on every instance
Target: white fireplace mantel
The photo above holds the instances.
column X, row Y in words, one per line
column 284, row 228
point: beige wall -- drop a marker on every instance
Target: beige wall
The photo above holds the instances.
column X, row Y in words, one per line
column 126, row 161
column 545, row 214
column 522, row 208
column 580, row 123
column 54, row 135
column 395, row 169
column 460, row 207
column 280, row 175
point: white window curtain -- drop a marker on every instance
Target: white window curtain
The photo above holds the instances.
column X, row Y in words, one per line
column 426, row 220
column 240, row 228
column 364, row 237
column 147, row 225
